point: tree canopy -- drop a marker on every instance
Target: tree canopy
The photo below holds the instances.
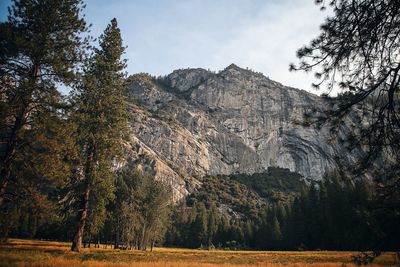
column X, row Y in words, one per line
column 358, row 50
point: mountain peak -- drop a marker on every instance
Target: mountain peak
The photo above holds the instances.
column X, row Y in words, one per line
column 235, row 69
column 233, row 66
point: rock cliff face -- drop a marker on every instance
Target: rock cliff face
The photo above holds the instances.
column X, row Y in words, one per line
column 194, row 122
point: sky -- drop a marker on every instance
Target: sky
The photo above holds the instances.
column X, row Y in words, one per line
column 164, row 35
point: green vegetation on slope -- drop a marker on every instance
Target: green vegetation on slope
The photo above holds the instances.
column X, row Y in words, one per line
column 248, row 194
column 222, row 190
column 277, row 184
column 331, row 214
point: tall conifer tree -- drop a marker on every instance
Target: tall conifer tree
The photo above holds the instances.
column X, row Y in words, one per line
column 40, row 45
column 101, row 122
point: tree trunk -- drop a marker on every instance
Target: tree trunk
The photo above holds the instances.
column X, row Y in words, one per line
column 5, row 176
column 10, row 153
column 11, row 146
column 77, row 244
column 143, row 238
column 116, row 242
column 152, row 245
column 137, row 242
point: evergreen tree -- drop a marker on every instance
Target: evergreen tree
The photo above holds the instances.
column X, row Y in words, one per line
column 281, row 214
column 313, row 218
column 298, row 226
column 101, row 122
column 275, row 234
column 212, row 226
column 41, row 44
column 222, row 235
column 324, row 216
column 248, row 233
column 199, row 228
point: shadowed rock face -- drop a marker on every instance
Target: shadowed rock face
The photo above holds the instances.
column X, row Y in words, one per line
column 194, row 122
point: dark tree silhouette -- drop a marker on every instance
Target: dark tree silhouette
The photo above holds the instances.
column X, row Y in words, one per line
column 358, row 50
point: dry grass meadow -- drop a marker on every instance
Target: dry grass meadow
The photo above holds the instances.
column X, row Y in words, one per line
column 17, row 252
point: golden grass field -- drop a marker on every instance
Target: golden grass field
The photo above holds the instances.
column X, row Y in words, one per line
column 17, row 252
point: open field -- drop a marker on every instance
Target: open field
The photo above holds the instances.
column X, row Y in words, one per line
column 17, row 252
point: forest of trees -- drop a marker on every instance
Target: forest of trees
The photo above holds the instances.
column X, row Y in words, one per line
column 334, row 214
column 136, row 218
column 59, row 154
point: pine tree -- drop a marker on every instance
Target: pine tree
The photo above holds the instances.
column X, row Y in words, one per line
column 276, row 234
column 212, row 223
column 222, row 232
column 248, row 233
column 324, row 216
column 297, row 222
column 312, row 215
column 281, row 214
column 101, row 121
column 199, row 226
column 40, row 45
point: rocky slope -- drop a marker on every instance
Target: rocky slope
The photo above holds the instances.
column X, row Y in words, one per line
column 194, row 122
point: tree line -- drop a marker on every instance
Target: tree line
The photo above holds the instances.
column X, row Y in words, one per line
column 336, row 213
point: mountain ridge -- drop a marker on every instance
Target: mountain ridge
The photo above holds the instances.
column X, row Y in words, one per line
column 194, row 122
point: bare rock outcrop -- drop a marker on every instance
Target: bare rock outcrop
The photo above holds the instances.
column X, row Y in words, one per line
column 194, row 122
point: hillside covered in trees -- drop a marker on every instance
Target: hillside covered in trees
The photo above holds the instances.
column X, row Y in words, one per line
column 333, row 214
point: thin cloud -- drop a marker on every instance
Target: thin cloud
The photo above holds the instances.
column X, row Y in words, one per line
column 269, row 43
column 165, row 35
